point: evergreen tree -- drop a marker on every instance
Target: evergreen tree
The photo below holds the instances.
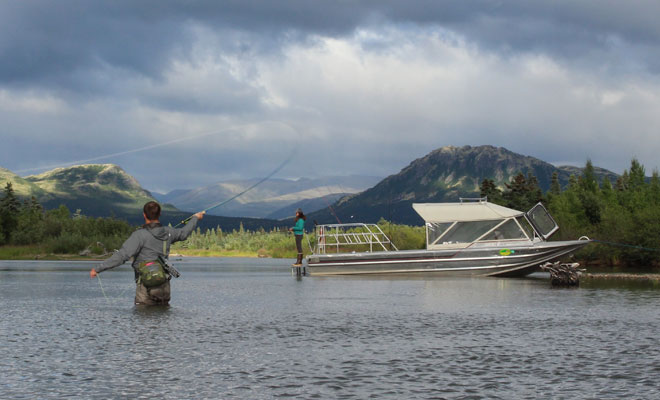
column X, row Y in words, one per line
column 9, row 206
column 491, row 191
column 522, row 193
column 591, row 206
column 654, row 189
column 636, row 175
column 589, row 183
column 514, row 195
column 30, row 228
column 622, row 182
column 589, row 194
column 534, row 193
column 607, row 191
column 555, row 187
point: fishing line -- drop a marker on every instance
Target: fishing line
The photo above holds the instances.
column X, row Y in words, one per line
column 121, row 153
column 150, row 147
column 124, row 291
column 276, row 170
column 625, row 245
column 323, row 198
column 311, row 250
column 102, row 291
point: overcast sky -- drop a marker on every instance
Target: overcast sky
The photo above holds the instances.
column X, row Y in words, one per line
column 220, row 90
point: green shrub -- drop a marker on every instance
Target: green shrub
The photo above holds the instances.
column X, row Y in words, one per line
column 67, row 243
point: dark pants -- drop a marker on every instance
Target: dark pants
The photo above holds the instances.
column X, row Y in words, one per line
column 159, row 295
column 300, row 250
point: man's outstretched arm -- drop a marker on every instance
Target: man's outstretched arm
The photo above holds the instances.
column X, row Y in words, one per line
column 183, row 233
column 130, row 248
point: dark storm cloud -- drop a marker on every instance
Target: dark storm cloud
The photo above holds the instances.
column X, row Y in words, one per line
column 80, row 79
column 56, row 44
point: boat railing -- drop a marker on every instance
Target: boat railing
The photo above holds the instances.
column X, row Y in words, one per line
column 340, row 236
column 473, row 199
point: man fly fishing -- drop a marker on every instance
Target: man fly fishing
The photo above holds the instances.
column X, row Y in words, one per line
column 150, row 247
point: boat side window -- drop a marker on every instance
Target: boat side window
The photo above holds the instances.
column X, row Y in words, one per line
column 508, row 230
column 542, row 220
column 435, row 229
column 469, row 231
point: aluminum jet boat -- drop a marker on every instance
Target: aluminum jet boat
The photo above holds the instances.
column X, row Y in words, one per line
column 472, row 236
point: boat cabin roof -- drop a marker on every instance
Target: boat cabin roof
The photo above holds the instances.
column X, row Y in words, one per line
column 462, row 212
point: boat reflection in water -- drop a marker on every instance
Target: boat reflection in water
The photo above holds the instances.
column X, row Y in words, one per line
column 469, row 237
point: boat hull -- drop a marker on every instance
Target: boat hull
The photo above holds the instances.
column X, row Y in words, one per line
column 514, row 260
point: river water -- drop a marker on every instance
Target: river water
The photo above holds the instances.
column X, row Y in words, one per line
column 245, row 328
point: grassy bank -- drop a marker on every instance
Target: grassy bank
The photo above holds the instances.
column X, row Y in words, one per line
column 276, row 243
column 40, row 252
column 655, row 278
column 22, row 252
column 215, row 253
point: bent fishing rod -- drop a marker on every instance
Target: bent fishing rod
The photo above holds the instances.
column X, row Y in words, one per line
column 276, row 170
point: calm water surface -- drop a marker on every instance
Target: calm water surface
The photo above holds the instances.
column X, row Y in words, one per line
column 245, row 328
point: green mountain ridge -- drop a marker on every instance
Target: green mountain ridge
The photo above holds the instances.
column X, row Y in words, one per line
column 443, row 175
column 95, row 189
column 106, row 190
column 21, row 186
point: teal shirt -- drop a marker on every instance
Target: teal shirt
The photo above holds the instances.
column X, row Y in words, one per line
column 299, row 227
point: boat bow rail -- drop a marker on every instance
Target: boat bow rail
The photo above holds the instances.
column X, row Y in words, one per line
column 336, row 237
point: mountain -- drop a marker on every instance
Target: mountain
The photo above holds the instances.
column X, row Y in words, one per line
column 167, row 197
column 22, row 187
column 101, row 190
column 601, row 173
column 443, row 175
column 274, row 198
column 95, row 189
column 307, row 205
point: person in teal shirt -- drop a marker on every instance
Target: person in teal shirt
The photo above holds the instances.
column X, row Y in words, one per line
column 298, row 231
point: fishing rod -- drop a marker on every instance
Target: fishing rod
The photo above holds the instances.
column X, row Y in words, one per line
column 276, row 170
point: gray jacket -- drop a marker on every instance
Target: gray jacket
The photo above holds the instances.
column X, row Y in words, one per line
column 146, row 244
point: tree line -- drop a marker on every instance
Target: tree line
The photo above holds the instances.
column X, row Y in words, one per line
column 625, row 213
column 56, row 231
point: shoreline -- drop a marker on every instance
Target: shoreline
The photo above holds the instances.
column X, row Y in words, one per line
column 29, row 253
column 20, row 253
column 650, row 277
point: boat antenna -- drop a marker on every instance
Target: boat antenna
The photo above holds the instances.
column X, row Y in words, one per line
column 276, row 170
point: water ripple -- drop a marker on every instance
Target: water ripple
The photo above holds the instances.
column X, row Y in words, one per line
column 253, row 331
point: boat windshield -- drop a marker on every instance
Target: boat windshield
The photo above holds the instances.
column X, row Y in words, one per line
column 454, row 233
column 526, row 226
column 508, row 230
column 467, row 231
